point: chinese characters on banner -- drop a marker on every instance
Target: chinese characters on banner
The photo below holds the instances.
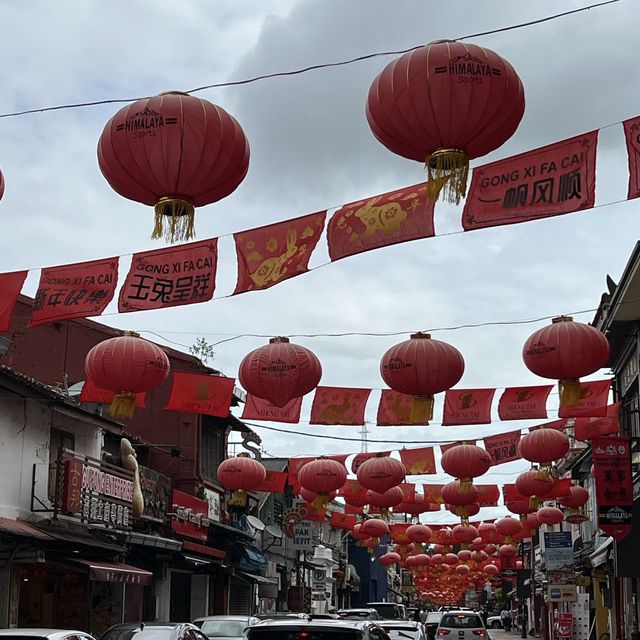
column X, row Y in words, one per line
column 336, row 405
column 76, row 290
column 268, row 255
column 589, row 428
column 399, row 409
column 632, row 137
column 418, row 461
column 549, row 181
column 170, row 277
column 611, row 457
column 521, row 403
column 198, row 393
column 10, row 286
column 259, row 409
column 503, row 447
column 398, row 216
column 594, row 397
column 467, row 406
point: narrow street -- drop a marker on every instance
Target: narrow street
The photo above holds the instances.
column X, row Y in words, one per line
column 501, row 634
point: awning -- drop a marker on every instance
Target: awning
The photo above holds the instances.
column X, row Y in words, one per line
column 601, row 554
column 259, row 579
column 114, row 572
column 80, row 537
column 18, row 528
column 156, row 542
column 212, row 553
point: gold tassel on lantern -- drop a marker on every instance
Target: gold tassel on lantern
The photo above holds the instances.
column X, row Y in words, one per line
column 447, row 173
column 570, row 392
column 123, row 405
column 534, row 502
column 320, row 503
column 238, row 498
column 179, row 215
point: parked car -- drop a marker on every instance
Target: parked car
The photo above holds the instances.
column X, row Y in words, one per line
column 368, row 613
column 154, row 631
column 461, row 625
column 224, row 627
column 280, row 615
column 403, row 629
column 290, row 628
column 43, row 634
column 432, row 622
column 494, row 622
column 389, row 610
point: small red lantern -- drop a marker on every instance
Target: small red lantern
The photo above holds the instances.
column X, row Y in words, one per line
column 453, row 494
column 550, row 516
column 577, row 498
column 533, row 522
column 462, row 569
column 437, row 559
column 380, row 473
column 419, row 533
column 465, row 512
column 389, row 559
column 174, row 152
column 465, row 462
column 323, row 477
column 126, row 365
column 535, row 486
column 371, row 544
column 444, row 104
column 567, row 351
column 543, row 446
column 508, row 527
column 464, row 555
column 451, row 559
column 507, row 551
column 280, row 371
column 422, row 367
column 465, row 533
column 374, row 527
column 390, row 498
column 488, row 532
column 415, row 508
column 491, row 569
column 241, row 474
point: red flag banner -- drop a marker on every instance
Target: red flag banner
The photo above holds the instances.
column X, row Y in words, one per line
column 560, row 425
column 399, row 409
column 632, row 136
column 446, row 447
column 91, row 393
column 398, row 216
column 418, row 462
column 271, row 254
column 611, row 457
column 467, row 406
column 488, row 494
column 339, row 405
column 75, row 290
column 198, row 393
column 313, row 514
column 503, row 447
column 408, row 491
column 524, row 403
column 510, row 493
column 10, row 287
column 594, row 398
column 259, row 409
column 590, row 428
column 550, row 181
column 561, row 489
column 342, row 520
column 352, row 489
column 274, row 482
column 355, row 510
column 183, row 274
column 363, row 457
column 433, row 493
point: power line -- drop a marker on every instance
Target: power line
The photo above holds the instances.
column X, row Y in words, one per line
column 303, row 70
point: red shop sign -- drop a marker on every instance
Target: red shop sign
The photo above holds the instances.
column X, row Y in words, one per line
column 189, row 515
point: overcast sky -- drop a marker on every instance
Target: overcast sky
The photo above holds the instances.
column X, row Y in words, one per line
column 311, row 149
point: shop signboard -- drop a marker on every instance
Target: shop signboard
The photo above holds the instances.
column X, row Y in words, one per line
column 96, row 492
column 558, row 550
column 565, row 625
column 303, row 537
column 562, row 592
column 189, row 515
column 213, row 498
column 406, row 581
column 156, row 491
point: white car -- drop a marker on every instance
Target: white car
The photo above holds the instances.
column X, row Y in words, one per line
column 461, row 625
column 494, row 622
column 43, row 634
column 224, row 627
column 403, row 629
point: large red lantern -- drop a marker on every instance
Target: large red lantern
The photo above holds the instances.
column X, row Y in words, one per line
column 444, row 104
column 543, row 446
column 488, row 532
column 508, row 527
column 464, row 533
column 550, row 516
column 241, row 474
column 280, row 371
column 322, row 476
column 422, row 367
column 380, row 473
column 174, row 152
column 534, row 486
column 577, row 498
column 390, row 498
column 389, row 559
column 126, row 365
column 419, row 533
column 359, row 535
column 418, row 506
column 374, row 527
column 465, row 462
column 567, row 351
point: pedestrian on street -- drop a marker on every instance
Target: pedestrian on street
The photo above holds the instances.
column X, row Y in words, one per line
column 423, row 615
column 505, row 618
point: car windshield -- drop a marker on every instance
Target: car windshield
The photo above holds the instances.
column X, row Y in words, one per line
column 389, row 611
column 352, row 613
column 303, row 633
column 223, row 628
column 461, row 621
column 148, row 633
column 434, row 616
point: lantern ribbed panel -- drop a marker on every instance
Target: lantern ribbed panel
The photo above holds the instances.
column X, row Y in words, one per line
column 465, row 510
column 520, row 507
column 127, row 364
column 389, row 558
column 488, row 532
column 390, row 498
column 356, row 534
column 419, row 533
column 465, row 461
column 543, row 445
column 579, row 496
column 374, row 527
column 532, row 483
column 416, row 106
column 241, row 473
column 418, row 506
column 550, row 515
column 322, row 476
column 565, row 350
column 465, row 533
column 452, row 494
column 421, row 366
column 279, row 372
column 508, row 526
column 198, row 152
column 380, row 474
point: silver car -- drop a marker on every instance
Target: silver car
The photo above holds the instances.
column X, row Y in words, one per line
column 461, row 625
column 403, row 629
column 43, row 634
column 224, row 627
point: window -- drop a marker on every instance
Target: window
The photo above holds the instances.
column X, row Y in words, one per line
column 59, row 440
column 212, row 451
column 461, row 621
column 278, row 512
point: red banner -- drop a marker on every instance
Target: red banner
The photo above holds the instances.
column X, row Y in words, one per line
column 594, row 398
column 198, row 393
column 259, row 409
column 488, row 494
column 524, row 403
column 271, row 254
column 589, row 428
column 10, row 287
column 503, row 447
column 342, row 520
column 274, row 482
column 189, row 515
column 549, row 181
column 467, row 406
column 561, row 489
column 446, row 447
column 560, row 425
column 75, row 290
column 611, row 457
column 352, row 489
column 91, row 393
column 338, row 405
column 632, row 136
column 398, row 216
column 418, row 462
column 183, row 274
column 363, row 457
column 408, row 491
column 399, row 409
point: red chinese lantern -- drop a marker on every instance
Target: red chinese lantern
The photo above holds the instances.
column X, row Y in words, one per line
column 508, row 527
column 357, row 534
column 577, row 498
column 419, row 533
column 533, row 522
column 437, row 559
column 174, row 152
column 462, row 569
column 418, row 506
column 422, row 367
column 451, row 559
column 550, row 516
column 543, row 446
column 323, row 477
column 465, row 462
column 419, row 560
column 491, row 569
column 465, row 533
column 567, row 351
column 464, row 512
column 444, row 104
column 534, row 486
column 507, row 551
column 479, row 556
column 389, row 559
column 380, row 473
column 464, row 555
column 520, row 508
column 126, row 365
column 488, row 532
column 241, row 474
column 453, row 494
column 390, row 498
column 280, row 371
column 371, row 544
column 374, row 527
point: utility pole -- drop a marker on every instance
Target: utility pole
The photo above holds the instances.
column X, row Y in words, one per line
column 364, row 432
